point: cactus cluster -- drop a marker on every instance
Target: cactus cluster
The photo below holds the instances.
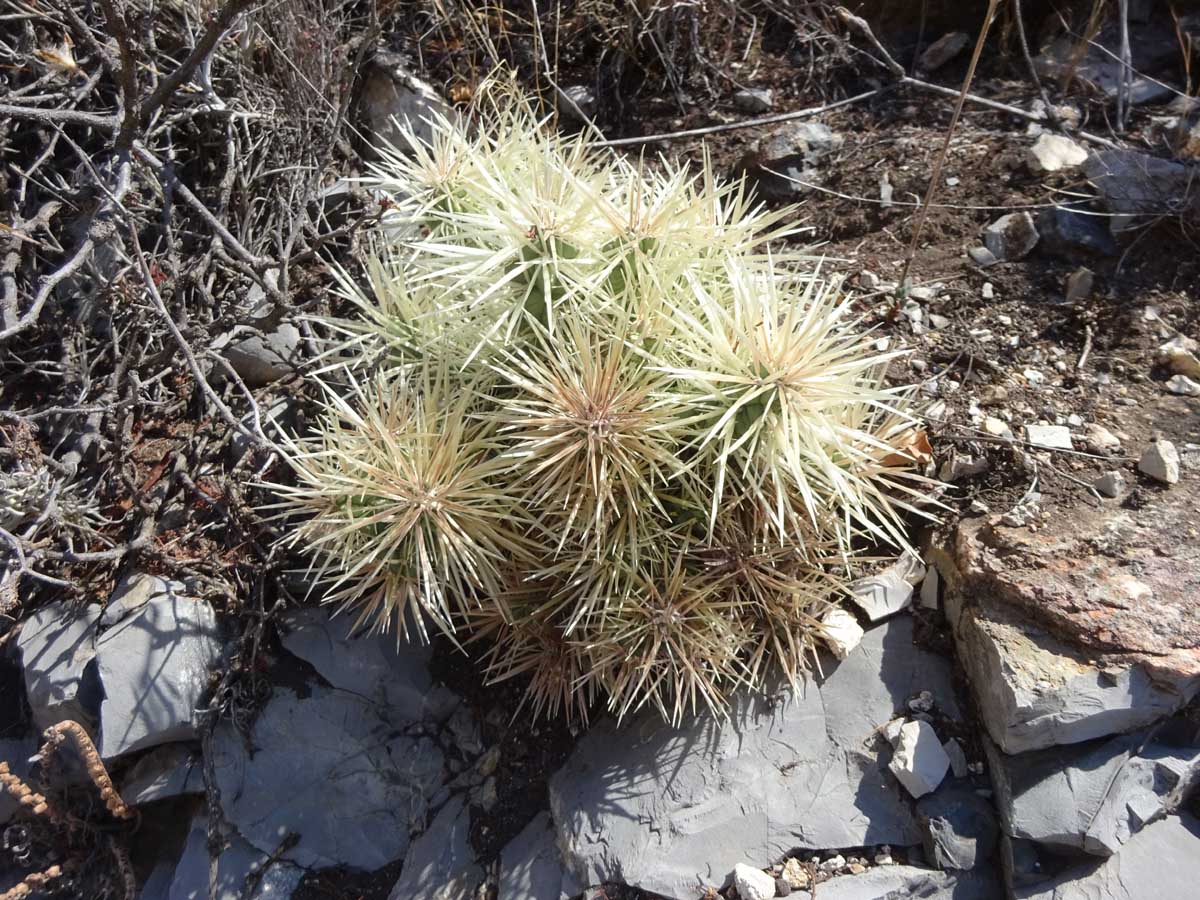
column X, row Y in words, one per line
column 590, row 420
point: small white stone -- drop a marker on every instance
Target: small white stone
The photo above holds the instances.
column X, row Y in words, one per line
column 1110, row 484
column 833, row 863
column 989, row 293
column 1099, row 439
column 919, row 762
column 1179, row 384
column 841, row 632
column 1004, row 320
column 752, row 883
column 1075, row 421
column 929, row 589
column 923, row 293
column 1179, row 355
column 1033, row 376
column 1052, row 152
column 1161, row 462
column 997, row 427
column 1052, row 437
column 936, row 321
column 795, row 874
column 883, row 595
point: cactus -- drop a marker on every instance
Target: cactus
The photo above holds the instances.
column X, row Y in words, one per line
column 593, row 416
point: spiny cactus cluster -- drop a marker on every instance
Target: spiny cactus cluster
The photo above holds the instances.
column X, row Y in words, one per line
column 587, row 418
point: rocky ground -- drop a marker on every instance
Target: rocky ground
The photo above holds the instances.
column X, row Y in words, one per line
column 1017, row 718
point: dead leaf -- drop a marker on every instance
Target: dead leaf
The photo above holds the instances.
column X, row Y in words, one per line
column 914, row 448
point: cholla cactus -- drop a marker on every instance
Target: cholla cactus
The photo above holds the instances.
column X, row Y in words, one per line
column 593, row 422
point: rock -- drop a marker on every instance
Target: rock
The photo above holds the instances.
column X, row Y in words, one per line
column 880, row 596
column 929, row 589
column 943, row 50
column 752, row 883
column 938, row 322
column 440, row 864
column 795, row 874
column 1161, row 462
column 530, row 864
column 1179, row 356
column 958, row 759
column 1110, row 484
column 1054, row 152
column 168, row 771
column 1100, row 67
column 982, row 256
column 904, row 882
column 1012, row 236
column 1134, row 184
column 1098, row 439
column 960, row 828
column 753, row 100
column 1184, row 386
column 997, row 427
column 16, row 753
column 841, row 632
column 135, row 591
column 1068, row 232
column 654, row 806
column 794, row 151
column 782, row 888
column 1084, row 628
column 919, row 762
column 277, row 418
column 376, row 775
column 1052, row 437
column 153, row 667
column 1079, row 284
column 1162, row 861
column 262, row 358
column 374, row 666
column 584, row 100
column 55, row 646
column 273, row 879
column 392, row 99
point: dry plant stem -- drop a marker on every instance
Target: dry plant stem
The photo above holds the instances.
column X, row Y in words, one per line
column 33, row 882
column 1125, row 82
column 889, row 62
column 733, row 126
column 56, row 734
column 1023, row 40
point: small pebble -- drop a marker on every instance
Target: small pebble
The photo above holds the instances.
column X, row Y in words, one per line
column 923, row 702
column 782, row 888
column 857, row 868
column 833, row 863
column 1178, row 384
column 989, row 293
column 1110, row 484
column 1161, row 462
column 1033, row 376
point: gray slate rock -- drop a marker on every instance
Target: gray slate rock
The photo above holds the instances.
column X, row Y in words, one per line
column 959, row 827
column 907, row 882
column 1068, row 232
column 17, row 755
column 153, row 667
column 794, row 151
column 55, row 646
column 1012, row 236
column 277, row 881
column 1161, row 861
column 376, row 667
column 171, row 770
column 1135, row 184
column 753, row 100
column 1092, row 798
column 672, row 810
column 367, row 778
column 262, row 358
column 919, row 762
column 440, row 864
column 530, row 865
column 392, row 97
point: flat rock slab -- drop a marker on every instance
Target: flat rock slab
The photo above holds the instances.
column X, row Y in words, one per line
column 55, row 646
column 440, row 864
column 1161, row 861
column 153, row 667
column 271, row 879
column 906, row 882
column 531, row 866
column 672, row 810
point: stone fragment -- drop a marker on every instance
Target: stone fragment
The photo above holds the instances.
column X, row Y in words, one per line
column 958, row 758
column 1161, row 462
column 655, row 807
column 752, row 883
column 753, row 100
column 1184, row 386
column 962, row 465
column 919, row 762
column 788, row 160
column 982, row 257
column 264, row 357
column 530, row 864
column 795, row 874
column 376, row 775
column 1052, row 437
column 167, row 771
column 883, row 595
column 1099, row 64
column 905, row 882
column 395, row 102
column 997, row 427
column 1053, row 152
column 943, row 50
column 242, row 873
column 959, row 827
column 1135, row 185
column 841, row 632
column 1179, row 356
column 582, row 99
column 929, row 589
column 1163, row 860
column 1068, row 232
column 1080, row 284
column 1012, row 236
column 55, row 645
column 1098, row 439
column 1110, row 484
column 16, row 753
column 153, row 667
column 440, row 864
column 135, row 591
